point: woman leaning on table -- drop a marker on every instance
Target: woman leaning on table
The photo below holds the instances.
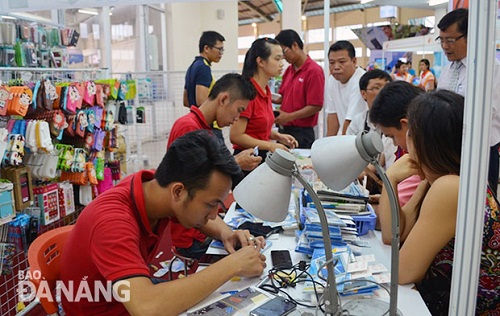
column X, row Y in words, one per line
column 434, row 140
column 263, row 61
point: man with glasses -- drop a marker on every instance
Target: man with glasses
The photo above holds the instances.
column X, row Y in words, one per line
column 453, row 39
column 199, row 79
column 301, row 90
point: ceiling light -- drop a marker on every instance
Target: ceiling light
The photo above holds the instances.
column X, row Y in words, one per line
column 303, row 18
column 88, row 11
column 365, row 1
column 437, row 2
column 6, row 17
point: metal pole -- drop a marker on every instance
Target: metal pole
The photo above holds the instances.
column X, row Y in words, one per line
column 475, row 153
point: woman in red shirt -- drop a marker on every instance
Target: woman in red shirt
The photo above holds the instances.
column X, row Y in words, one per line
column 263, row 61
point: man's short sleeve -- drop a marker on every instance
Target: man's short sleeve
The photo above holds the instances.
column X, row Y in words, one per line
column 315, row 89
column 203, row 76
column 115, row 250
column 329, row 104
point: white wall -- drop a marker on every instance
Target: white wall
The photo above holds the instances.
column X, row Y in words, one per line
column 186, row 22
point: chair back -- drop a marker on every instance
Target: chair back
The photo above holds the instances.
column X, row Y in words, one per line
column 44, row 256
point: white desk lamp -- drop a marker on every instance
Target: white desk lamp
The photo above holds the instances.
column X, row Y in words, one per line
column 338, row 160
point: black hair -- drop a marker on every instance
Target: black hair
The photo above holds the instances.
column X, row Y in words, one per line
column 209, row 38
column 399, row 64
column 288, row 37
column 239, row 88
column 373, row 74
column 192, row 158
column 459, row 16
column 260, row 48
column 343, row 45
column 435, row 126
column 426, row 62
column 390, row 105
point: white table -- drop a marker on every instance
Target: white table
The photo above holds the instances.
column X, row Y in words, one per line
column 409, row 300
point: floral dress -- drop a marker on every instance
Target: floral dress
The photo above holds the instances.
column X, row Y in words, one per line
column 435, row 287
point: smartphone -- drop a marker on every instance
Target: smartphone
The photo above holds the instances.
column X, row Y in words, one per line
column 208, row 259
column 281, row 259
column 259, row 229
column 277, row 306
column 256, row 151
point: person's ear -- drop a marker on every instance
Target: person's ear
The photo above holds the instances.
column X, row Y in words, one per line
column 363, row 94
column 260, row 62
column 404, row 123
column 178, row 190
column 355, row 61
column 223, row 98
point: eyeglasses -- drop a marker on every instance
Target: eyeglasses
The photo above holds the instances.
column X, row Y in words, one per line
column 376, row 88
column 221, row 49
column 285, row 50
column 448, row 40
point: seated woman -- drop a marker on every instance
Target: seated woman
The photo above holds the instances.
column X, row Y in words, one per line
column 434, row 140
column 263, row 61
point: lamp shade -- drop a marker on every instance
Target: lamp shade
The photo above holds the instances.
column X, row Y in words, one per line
column 265, row 192
column 338, row 160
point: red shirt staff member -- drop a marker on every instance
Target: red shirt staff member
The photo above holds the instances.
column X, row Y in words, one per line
column 263, row 61
column 228, row 98
column 302, row 91
column 118, row 232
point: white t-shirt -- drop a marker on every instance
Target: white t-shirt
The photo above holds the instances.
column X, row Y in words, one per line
column 345, row 99
column 445, row 78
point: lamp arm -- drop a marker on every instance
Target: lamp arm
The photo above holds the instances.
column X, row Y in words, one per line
column 330, row 292
column 393, row 303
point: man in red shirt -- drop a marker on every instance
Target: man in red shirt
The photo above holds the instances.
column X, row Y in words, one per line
column 227, row 99
column 302, row 91
column 117, row 234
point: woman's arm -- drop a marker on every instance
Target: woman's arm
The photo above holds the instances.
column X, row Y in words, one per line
column 239, row 137
column 402, row 169
column 434, row 228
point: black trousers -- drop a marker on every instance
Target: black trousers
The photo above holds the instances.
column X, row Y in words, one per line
column 493, row 168
column 304, row 135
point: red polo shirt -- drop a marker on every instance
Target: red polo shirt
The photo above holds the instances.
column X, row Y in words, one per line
column 259, row 114
column 301, row 87
column 183, row 237
column 112, row 240
column 192, row 121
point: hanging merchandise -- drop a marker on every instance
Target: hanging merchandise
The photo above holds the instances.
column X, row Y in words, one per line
column 140, row 115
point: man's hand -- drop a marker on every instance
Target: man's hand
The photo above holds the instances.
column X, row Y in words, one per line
column 283, row 117
column 242, row 238
column 249, row 260
column 246, row 160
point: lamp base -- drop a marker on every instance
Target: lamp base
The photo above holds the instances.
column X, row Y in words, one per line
column 367, row 307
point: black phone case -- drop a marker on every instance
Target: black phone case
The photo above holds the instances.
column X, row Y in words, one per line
column 281, row 259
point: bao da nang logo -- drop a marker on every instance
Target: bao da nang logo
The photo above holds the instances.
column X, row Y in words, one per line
column 72, row 291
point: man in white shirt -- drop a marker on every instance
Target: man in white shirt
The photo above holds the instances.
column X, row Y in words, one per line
column 453, row 38
column 370, row 85
column 343, row 98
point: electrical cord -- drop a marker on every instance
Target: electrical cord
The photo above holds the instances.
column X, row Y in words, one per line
column 281, row 279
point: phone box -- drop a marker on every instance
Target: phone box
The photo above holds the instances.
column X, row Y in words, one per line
column 47, row 199
column 23, row 189
column 66, row 198
column 7, row 209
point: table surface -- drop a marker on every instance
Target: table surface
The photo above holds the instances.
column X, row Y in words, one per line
column 409, row 300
